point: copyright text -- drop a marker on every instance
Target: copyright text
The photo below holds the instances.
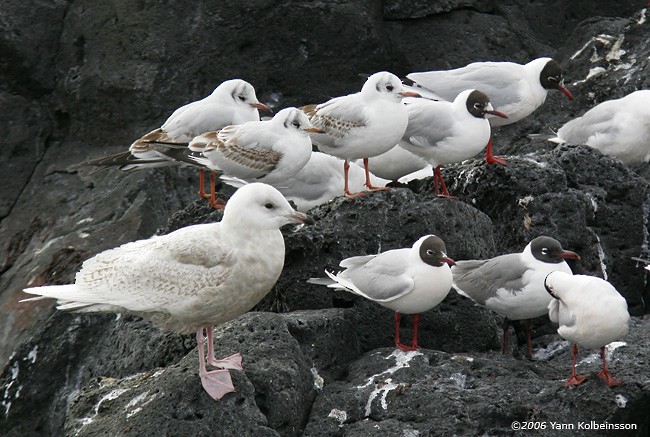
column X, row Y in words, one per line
column 586, row 425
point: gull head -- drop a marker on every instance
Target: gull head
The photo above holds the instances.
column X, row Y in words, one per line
column 259, row 206
column 385, row 85
column 295, row 120
column 239, row 92
column 478, row 104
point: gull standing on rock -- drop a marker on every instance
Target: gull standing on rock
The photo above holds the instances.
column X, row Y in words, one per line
column 269, row 151
column 409, row 281
column 444, row 133
column 619, row 127
column 232, row 102
column 192, row 279
column 515, row 89
column 591, row 313
column 362, row 125
column 512, row 285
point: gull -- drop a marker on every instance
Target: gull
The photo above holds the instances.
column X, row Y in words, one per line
column 362, row 125
column 318, row 182
column 515, row 89
column 269, row 151
column 512, row 285
column 443, row 133
column 619, row 127
column 591, row 313
column 232, row 102
column 192, row 279
column 395, row 164
column 410, row 281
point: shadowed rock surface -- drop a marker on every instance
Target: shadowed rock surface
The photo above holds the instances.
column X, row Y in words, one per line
column 82, row 79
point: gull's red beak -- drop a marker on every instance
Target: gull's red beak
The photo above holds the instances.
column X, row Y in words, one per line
column 567, row 254
column 262, row 107
column 497, row 113
column 566, row 92
column 448, row 260
column 409, row 94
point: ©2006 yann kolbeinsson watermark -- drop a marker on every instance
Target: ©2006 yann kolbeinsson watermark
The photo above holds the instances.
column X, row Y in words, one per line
column 582, row 425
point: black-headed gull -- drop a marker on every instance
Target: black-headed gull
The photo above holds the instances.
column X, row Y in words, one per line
column 442, row 132
column 512, row 285
column 409, row 281
column 232, row 102
column 591, row 313
column 515, row 89
column 191, row 279
column 361, row 125
column 619, row 127
column 269, row 151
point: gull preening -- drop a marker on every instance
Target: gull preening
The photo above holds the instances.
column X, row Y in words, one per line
column 512, row 285
column 591, row 313
column 192, row 279
column 619, row 127
column 409, row 281
column 362, row 125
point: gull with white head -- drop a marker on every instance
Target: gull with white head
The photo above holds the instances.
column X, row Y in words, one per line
column 362, row 125
column 192, row 279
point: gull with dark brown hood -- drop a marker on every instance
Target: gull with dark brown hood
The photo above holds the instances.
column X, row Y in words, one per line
column 444, row 133
column 512, row 285
column 409, row 281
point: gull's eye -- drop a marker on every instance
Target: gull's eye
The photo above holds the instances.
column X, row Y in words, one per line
column 390, row 87
column 242, row 98
column 478, row 105
column 544, row 251
column 430, row 252
column 553, row 79
column 268, row 206
column 296, row 124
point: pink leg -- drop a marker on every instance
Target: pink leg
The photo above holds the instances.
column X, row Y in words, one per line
column 490, row 158
column 604, row 374
column 346, row 190
column 231, row 362
column 216, row 382
column 575, row 379
column 368, row 184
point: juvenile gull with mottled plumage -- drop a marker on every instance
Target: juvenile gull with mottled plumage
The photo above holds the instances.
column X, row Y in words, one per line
column 232, row 102
column 361, row 125
column 191, row 279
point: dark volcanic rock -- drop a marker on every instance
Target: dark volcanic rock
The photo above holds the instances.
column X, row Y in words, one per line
column 274, row 393
column 590, row 202
column 83, row 79
column 430, row 393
